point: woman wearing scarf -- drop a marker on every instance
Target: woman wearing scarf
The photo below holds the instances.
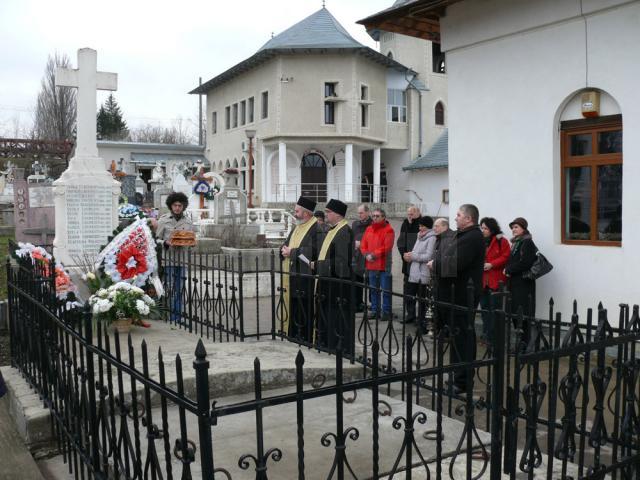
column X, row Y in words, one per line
column 523, row 290
column 419, row 274
column 496, row 257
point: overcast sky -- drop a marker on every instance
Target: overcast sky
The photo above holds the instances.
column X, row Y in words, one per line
column 158, row 48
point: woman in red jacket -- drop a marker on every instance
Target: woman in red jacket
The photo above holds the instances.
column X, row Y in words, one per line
column 496, row 256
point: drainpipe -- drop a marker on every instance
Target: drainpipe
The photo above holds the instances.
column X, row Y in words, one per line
column 419, row 111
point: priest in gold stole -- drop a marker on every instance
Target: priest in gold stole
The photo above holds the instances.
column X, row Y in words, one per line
column 298, row 254
column 335, row 292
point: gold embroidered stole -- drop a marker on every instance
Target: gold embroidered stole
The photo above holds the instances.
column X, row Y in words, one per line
column 294, row 242
column 329, row 238
column 323, row 256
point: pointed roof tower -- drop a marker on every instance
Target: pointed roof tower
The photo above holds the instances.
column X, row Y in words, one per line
column 319, row 32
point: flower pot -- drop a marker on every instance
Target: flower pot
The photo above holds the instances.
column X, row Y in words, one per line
column 122, row 325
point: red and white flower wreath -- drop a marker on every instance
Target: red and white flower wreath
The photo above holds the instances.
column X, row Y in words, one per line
column 131, row 255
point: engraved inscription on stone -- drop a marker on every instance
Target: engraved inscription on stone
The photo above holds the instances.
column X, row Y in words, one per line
column 89, row 217
column 41, row 197
column 231, row 207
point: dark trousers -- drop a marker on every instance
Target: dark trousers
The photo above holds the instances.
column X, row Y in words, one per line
column 335, row 317
column 416, row 290
column 463, row 348
column 301, row 318
column 409, row 302
column 486, row 303
column 358, row 290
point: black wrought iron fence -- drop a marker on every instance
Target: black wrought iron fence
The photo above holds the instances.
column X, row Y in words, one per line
column 563, row 407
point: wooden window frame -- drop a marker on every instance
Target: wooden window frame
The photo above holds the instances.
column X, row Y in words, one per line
column 594, row 160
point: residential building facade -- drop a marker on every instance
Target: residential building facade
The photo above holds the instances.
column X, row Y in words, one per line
column 332, row 118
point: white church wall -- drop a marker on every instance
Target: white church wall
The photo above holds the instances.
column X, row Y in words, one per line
column 425, row 188
column 504, row 140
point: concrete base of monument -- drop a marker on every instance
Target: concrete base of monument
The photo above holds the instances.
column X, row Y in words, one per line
column 230, row 372
column 86, row 211
column 235, row 436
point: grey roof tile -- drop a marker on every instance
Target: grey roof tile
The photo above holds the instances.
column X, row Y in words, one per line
column 436, row 157
column 319, row 30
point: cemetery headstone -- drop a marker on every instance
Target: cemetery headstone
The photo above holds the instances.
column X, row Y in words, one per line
column 230, row 204
column 33, row 210
column 160, row 195
column 86, row 195
column 128, row 185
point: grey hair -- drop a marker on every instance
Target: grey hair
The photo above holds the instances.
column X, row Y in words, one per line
column 443, row 221
column 364, row 207
column 382, row 212
column 471, row 211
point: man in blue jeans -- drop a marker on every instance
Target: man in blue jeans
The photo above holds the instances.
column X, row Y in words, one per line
column 376, row 246
column 174, row 257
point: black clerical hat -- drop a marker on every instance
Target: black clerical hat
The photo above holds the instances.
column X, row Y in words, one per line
column 337, row 206
column 307, row 203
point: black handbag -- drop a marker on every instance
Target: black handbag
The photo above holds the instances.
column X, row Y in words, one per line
column 540, row 267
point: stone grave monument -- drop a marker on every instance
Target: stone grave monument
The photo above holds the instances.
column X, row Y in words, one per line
column 230, row 204
column 86, row 195
column 33, row 210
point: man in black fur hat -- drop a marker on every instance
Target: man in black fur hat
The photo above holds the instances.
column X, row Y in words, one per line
column 298, row 253
column 174, row 258
column 336, row 299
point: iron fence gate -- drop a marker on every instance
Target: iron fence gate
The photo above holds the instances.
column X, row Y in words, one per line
column 565, row 405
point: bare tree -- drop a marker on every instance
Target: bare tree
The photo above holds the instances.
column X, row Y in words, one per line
column 55, row 114
column 180, row 132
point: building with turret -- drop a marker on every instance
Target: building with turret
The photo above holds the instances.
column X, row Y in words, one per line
column 329, row 117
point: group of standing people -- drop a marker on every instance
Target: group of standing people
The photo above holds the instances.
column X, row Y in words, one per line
column 434, row 259
column 326, row 264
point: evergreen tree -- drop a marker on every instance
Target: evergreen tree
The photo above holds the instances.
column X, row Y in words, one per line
column 111, row 125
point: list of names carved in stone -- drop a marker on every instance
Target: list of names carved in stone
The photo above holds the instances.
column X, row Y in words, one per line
column 89, row 218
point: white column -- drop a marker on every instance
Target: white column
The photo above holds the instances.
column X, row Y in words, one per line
column 348, row 172
column 282, row 172
column 376, row 175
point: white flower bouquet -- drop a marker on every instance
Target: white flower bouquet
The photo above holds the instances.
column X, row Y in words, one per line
column 121, row 301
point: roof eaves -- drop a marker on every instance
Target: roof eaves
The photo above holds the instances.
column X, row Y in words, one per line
column 238, row 69
column 264, row 55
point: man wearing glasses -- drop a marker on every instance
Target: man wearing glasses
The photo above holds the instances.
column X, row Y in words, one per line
column 376, row 246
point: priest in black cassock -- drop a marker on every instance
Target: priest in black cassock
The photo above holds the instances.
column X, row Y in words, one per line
column 335, row 288
column 298, row 253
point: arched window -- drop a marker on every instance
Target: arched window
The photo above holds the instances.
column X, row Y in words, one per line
column 313, row 175
column 235, row 163
column 220, row 166
column 313, row 160
column 439, row 113
column 227, row 164
column 591, row 180
column 390, row 55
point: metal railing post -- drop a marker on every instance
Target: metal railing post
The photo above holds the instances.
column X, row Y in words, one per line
column 91, row 392
column 497, row 394
column 201, row 367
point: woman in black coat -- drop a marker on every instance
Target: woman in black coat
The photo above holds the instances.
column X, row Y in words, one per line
column 523, row 290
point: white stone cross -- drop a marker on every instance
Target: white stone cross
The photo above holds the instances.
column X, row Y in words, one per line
column 87, row 80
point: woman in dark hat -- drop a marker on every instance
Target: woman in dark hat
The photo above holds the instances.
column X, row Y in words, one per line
column 523, row 290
